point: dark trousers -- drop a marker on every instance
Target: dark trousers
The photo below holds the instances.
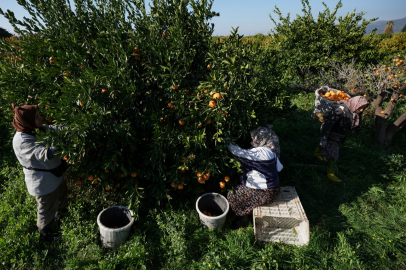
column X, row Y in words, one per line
column 50, row 204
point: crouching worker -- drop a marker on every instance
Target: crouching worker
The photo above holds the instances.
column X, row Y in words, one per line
column 43, row 170
column 259, row 183
column 339, row 123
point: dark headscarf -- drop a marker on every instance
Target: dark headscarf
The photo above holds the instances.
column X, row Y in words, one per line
column 24, row 118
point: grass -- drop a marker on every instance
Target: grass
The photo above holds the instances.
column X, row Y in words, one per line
column 357, row 224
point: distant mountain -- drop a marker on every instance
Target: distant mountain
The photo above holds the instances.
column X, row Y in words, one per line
column 380, row 26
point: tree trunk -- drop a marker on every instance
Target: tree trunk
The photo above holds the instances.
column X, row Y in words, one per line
column 384, row 134
column 394, row 128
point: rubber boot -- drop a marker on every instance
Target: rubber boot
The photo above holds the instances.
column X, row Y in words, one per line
column 239, row 222
column 47, row 234
column 330, row 172
column 317, row 153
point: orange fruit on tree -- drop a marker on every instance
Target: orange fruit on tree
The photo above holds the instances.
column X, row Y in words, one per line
column 81, row 103
column 106, row 171
column 90, row 178
column 206, row 176
column 122, row 175
column 173, row 184
column 227, row 178
column 227, row 90
column 192, row 157
column 66, row 157
column 212, row 103
column 107, row 188
column 217, row 96
column 187, row 92
column 170, row 105
column 104, row 90
column 382, row 112
column 183, row 169
column 96, row 181
column 164, row 35
column 199, row 174
column 79, row 182
column 180, row 186
column 208, row 121
column 182, row 122
column 175, row 87
column 133, row 174
column 391, row 99
column 222, row 184
column 208, row 67
column 136, row 49
column 200, row 180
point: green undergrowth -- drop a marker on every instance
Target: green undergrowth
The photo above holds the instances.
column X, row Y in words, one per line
column 357, row 224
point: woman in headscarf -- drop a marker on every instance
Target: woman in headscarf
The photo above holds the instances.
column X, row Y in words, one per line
column 43, row 170
column 343, row 120
column 259, row 183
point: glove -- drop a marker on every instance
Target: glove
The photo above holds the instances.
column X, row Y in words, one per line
column 323, row 143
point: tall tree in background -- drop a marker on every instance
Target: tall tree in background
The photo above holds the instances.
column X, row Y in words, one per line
column 4, row 33
column 389, row 27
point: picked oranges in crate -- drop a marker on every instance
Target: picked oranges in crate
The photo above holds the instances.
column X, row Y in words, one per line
column 335, row 96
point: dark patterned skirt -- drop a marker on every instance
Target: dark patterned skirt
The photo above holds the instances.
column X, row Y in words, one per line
column 331, row 150
column 244, row 199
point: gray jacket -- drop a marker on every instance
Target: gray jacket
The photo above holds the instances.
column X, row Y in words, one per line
column 36, row 156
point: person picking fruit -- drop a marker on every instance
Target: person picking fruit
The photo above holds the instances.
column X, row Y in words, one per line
column 259, row 183
column 44, row 171
column 343, row 120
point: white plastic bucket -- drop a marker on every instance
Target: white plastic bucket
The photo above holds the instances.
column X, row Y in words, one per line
column 217, row 205
column 115, row 224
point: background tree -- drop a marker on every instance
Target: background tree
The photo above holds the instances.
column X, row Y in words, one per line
column 306, row 45
column 403, row 29
column 389, row 27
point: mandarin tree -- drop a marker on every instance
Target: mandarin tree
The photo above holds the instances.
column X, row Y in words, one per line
column 136, row 89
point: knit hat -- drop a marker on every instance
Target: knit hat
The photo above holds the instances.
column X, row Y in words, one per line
column 24, row 118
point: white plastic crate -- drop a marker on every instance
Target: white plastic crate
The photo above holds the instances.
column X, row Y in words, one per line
column 282, row 221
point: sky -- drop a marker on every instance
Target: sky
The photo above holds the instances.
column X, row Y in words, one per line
column 252, row 16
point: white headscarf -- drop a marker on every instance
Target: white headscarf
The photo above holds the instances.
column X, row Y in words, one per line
column 266, row 137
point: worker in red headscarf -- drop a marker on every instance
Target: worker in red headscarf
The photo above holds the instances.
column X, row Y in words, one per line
column 344, row 119
column 44, row 171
